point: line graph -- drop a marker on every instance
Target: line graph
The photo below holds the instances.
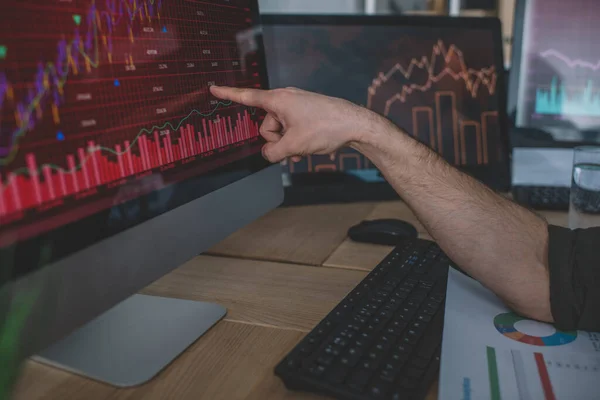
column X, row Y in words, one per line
column 51, row 78
column 571, row 63
column 473, row 79
column 174, row 127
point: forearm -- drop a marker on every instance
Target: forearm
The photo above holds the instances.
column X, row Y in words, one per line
column 497, row 242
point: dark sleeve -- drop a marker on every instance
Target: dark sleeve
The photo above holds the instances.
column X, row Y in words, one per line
column 574, row 262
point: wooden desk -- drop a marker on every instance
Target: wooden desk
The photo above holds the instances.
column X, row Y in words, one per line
column 271, row 305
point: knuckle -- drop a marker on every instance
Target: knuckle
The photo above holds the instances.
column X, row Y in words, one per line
column 244, row 96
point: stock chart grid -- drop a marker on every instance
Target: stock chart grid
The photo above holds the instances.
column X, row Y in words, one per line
column 560, row 69
column 96, row 94
column 440, row 85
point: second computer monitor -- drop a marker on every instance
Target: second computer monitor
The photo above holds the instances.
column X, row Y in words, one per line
column 555, row 73
column 441, row 79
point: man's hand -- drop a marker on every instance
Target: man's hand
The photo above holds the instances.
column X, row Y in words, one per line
column 301, row 123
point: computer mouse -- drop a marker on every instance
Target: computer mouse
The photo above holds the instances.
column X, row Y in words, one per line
column 384, row 231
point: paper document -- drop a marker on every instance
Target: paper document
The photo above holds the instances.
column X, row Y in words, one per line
column 489, row 352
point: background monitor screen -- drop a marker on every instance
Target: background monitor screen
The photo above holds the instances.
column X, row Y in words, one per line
column 106, row 119
column 556, row 71
column 439, row 79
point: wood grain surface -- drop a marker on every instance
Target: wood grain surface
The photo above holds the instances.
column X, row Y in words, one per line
column 304, row 235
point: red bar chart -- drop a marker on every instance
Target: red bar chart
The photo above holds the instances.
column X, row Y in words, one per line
column 98, row 166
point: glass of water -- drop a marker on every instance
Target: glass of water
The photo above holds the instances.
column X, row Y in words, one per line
column 584, row 208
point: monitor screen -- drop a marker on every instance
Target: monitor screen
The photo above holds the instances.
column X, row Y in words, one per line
column 106, row 119
column 437, row 78
column 555, row 84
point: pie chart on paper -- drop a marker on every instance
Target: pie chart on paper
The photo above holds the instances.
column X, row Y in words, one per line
column 506, row 325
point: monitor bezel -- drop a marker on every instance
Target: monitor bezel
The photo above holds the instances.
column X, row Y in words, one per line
column 500, row 183
column 25, row 257
column 519, row 134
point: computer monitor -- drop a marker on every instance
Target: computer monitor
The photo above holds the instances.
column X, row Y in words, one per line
column 117, row 166
column 439, row 78
column 555, row 75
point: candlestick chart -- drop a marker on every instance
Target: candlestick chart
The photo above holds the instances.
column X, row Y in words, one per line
column 95, row 94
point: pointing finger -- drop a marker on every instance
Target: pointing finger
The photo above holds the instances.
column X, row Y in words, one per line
column 247, row 97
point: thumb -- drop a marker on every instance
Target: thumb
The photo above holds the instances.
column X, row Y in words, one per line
column 276, row 151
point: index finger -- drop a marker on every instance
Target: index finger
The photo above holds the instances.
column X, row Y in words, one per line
column 248, row 97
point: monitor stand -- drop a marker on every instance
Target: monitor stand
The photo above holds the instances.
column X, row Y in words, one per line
column 132, row 342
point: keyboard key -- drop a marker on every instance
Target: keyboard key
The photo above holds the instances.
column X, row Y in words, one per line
column 386, row 339
column 418, row 325
column 364, row 312
column 394, row 331
column 333, row 350
column 413, row 302
column 429, row 311
column 399, row 358
column 317, row 371
column 427, row 282
column 388, row 375
column 392, row 365
column 347, row 334
column 325, row 360
column 382, row 346
column 412, row 340
column 368, row 364
column 401, row 295
column 358, row 380
column 353, row 357
column 338, row 374
column 403, row 348
column 379, row 390
column 424, row 318
column 398, row 324
column 388, row 288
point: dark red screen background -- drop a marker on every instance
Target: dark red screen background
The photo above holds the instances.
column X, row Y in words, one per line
column 103, row 101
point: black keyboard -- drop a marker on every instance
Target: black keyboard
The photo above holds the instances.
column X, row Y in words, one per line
column 383, row 341
column 543, row 197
